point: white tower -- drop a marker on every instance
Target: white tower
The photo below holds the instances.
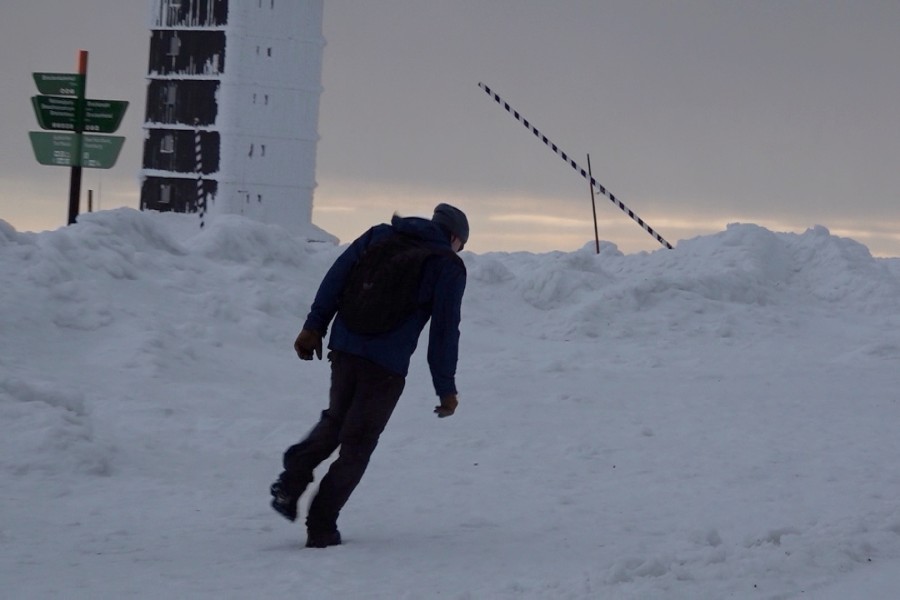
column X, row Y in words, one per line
column 231, row 124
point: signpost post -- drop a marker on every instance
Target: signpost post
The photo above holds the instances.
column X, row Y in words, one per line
column 75, row 170
column 63, row 109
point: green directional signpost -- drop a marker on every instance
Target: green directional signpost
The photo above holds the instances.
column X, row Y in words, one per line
column 100, row 151
column 59, row 113
column 54, row 149
column 55, row 112
column 58, row 149
column 103, row 116
column 60, row 84
column 62, row 109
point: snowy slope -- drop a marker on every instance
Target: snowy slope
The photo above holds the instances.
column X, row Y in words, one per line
column 714, row 421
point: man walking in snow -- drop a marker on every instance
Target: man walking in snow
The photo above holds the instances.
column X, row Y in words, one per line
column 372, row 340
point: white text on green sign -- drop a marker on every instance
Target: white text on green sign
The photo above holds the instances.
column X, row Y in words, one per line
column 54, row 149
column 100, row 151
column 103, row 116
column 57, row 113
column 58, row 149
column 59, row 84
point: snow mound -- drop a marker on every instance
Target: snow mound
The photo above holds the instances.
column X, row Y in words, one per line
column 48, row 430
column 704, row 285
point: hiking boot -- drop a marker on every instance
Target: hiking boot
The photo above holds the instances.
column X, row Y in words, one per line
column 284, row 503
column 323, row 539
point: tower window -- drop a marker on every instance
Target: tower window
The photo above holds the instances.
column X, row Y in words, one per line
column 171, row 94
column 174, row 45
column 167, row 144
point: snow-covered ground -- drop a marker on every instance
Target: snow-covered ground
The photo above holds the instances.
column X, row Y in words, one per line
column 715, row 421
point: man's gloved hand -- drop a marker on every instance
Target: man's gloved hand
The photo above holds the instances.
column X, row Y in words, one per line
column 447, row 407
column 306, row 343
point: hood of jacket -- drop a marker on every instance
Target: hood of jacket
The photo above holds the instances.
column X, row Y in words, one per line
column 423, row 229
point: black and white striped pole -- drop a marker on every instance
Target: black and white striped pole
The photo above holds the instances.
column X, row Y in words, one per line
column 574, row 165
column 198, row 155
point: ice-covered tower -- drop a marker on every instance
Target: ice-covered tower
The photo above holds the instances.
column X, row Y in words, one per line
column 231, row 124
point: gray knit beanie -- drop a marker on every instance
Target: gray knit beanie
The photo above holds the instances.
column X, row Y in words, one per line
column 453, row 219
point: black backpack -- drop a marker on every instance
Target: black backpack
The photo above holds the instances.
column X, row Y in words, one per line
column 382, row 288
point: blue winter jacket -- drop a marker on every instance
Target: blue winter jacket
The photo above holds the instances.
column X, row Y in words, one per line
column 440, row 297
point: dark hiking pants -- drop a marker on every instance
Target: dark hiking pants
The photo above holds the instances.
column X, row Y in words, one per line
column 363, row 396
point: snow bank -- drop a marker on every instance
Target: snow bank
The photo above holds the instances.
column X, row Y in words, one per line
column 711, row 421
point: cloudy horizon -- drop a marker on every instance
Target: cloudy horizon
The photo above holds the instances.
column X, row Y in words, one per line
column 696, row 114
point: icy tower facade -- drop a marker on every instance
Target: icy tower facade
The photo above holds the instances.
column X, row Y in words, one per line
column 232, row 114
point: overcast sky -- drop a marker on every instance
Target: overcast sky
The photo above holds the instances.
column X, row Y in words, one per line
column 695, row 113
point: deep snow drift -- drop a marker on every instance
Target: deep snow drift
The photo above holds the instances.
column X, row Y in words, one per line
column 713, row 421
